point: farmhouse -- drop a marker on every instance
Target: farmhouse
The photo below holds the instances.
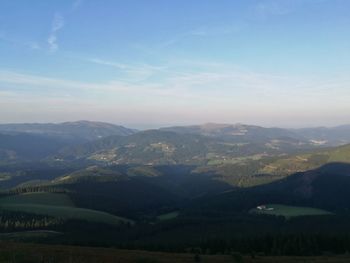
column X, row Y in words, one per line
column 264, row 207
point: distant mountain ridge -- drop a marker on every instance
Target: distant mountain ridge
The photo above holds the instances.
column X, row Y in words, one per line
column 210, row 143
column 326, row 136
column 34, row 141
column 145, row 147
column 91, row 130
column 79, row 130
column 27, row 146
column 236, row 132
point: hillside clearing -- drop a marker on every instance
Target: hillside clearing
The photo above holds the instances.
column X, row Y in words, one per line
column 56, row 205
column 289, row 211
column 168, row 216
column 66, row 212
column 40, row 198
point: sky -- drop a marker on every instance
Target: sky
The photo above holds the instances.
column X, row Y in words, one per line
column 150, row 63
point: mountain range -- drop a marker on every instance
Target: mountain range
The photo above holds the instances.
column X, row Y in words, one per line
column 198, row 144
column 79, row 131
column 173, row 185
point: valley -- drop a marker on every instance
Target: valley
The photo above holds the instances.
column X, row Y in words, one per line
column 176, row 189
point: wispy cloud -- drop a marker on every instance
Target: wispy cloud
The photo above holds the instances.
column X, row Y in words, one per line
column 33, row 45
column 131, row 72
column 76, row 4
column 47, row 85
column 209, row 82
column 266, row 8
column 29, row 44
column 108, row 63
column 57, row 25
column 201, row 32
column 209, row 31
column 271, row 7
column 222, row 91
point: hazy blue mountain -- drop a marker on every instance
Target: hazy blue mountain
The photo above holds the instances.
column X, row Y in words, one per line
column 237, row 132
column 327, row 136
column 35, row 141
column 321, row 136
column 26, row 146
column 147, row 147
column 75, row 131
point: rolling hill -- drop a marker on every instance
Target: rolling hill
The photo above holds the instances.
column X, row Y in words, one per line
column 238, row 132
column 327, row 136
column 55, row 205
column 308, row 161
column 134, row 191
column 325, row 187
column 19, row 146
column 150, row 147
column 28, row 142
column 252, row 172
column 330, row 136
column 168, row 147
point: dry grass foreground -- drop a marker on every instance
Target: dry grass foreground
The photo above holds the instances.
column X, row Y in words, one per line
column 19, row 252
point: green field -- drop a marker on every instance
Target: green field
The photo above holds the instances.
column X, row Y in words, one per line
column 56, row 205
column 290, row 211
column 28, row 235
column 51, row 199
column 308, row 161
column 168, row 216
column 143, row 171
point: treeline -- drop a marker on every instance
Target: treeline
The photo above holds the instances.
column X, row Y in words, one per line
column 248, row 236
column 266, row 235
column 280, row 245
column 16, row 221
column 37, row 189
column 276, row 245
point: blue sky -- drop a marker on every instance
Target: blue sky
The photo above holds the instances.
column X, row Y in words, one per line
column 152, row 63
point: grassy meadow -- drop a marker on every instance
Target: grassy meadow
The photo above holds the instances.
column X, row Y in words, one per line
column 289, row 211
column 168, row 216
column 56, row 205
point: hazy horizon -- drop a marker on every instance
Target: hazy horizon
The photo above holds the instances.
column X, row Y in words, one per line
column 148, row 126
column 161, row 63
